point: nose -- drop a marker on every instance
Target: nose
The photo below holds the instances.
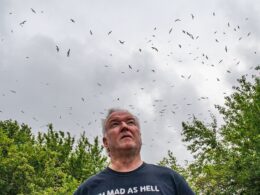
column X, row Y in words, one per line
column 124, row 126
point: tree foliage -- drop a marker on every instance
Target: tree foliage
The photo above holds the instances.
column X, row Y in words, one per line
column 226, row 158
column 49, row 163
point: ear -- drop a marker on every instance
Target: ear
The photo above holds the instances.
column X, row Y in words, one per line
column 105, row 142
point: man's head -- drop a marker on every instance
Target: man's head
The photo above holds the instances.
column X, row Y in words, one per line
column 121, row 133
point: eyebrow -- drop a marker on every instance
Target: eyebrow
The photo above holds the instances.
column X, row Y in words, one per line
column 117, row 119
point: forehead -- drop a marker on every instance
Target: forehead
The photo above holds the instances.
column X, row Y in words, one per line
column 119, row 115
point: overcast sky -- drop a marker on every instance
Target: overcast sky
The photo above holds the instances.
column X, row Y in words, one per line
column 163, row 60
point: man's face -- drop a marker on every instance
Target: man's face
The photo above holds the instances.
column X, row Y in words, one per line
column 122, row 133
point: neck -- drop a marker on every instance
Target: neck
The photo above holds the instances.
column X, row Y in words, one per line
column 125, row 164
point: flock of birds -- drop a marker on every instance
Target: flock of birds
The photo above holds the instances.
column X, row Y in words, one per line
column 161, row 107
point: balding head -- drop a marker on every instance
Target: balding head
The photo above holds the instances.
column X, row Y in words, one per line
column 110, row 112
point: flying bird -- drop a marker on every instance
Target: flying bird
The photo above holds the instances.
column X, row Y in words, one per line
column 68, row 53
column 122, row 42
column 57, row 48
column 177, row 20
column 13, row 91
column 90, row 32
column 22, row 23
column 109, row 32
column 192, row 16
column 226, row 48
column 170, row 31
column 154, row 48
column 72, row 20
column 33, row 10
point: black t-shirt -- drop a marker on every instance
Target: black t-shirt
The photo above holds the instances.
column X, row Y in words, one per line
column 148, row 179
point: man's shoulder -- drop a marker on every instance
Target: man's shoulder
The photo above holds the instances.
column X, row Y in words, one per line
column 92, row 182
column 160, row 169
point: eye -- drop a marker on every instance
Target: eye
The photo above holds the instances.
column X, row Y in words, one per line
column 114, row 124
column 131, row 122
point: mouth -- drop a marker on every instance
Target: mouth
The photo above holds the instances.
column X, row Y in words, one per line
column 126, row 136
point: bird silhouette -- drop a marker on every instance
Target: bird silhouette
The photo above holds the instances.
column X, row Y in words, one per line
column 122, row 42
column 57, row 48
column 68, row 53
column 22, row 23
column 33, row 10
column 154, row 48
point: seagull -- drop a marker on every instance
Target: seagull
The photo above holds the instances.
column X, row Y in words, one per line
column 130, row 66
column 68, row 53
column 72, row 20
column 177, row 20
column 109, row 32
column 170, row 31
column 90, row 32
column 13, row 91
column 192, row 16
column 226, row 48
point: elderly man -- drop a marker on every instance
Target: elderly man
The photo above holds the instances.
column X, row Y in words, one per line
column 127, row 173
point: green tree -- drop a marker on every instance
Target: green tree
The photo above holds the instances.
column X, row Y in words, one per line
column 226, row 158
column 49, row 163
